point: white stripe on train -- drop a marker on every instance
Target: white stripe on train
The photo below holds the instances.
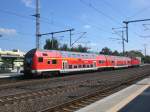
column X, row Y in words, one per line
column 77, row 69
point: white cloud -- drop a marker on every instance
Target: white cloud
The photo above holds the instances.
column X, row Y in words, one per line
column 28, row 3
column 5, row 31
column 87, row 26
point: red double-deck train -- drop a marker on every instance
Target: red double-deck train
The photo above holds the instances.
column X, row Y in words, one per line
column 50, row 61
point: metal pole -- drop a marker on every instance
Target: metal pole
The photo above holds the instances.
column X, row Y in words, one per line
column 127, row 28
column 145, row 50
column 122, row 36
column 37, row 15
column 52, row 33
column 70, row 39
column 52, row 40
column 133, row 21
column 123, row 46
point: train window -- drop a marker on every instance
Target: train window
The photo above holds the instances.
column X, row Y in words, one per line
column 79, row 56
column 54, row 61
column 91, row 65
column 112, row 61
column 83, row 66
column 87, row 56
column 48, row 62
column 69, row 55
column 101, row 61
column 80, row 66
column 63, row 55
column 75, row 66
column 74, row 55
column 44, row 54
column 82, row 56
column 40, row 59
column 70, row 66
column 28, row 61
column 87, row 66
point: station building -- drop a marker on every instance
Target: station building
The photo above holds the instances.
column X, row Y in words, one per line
column 10, row 60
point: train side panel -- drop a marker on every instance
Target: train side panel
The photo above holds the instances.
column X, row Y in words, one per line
column 43, row 61
column 101, row 61
column 135, row 61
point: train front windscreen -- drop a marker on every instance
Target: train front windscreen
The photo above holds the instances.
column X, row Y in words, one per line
column 28, row 61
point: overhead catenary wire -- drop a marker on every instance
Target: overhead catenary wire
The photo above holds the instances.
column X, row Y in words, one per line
column 23, row 16
column 112, row 7
column 139, row 12
column 99, row 11
column 45, row 20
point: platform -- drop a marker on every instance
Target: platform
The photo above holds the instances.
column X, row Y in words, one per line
column 135, row 98
column 8, row 75
column 140, row 104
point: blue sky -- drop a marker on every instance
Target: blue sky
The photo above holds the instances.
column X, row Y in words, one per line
column 96, row 17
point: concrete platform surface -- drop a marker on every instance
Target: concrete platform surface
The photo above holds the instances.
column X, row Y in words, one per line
column 117, row 101
column 140, row 104
column 7, row 75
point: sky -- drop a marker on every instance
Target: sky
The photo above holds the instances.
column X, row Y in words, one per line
column 95, row 17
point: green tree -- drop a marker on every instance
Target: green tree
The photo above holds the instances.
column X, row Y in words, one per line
column 49, row 42
column 48, row 45
column 116, row 53
column 64, row 47
column 80, row 48
column 106, row 51
column 134, row 53
column 146, row 59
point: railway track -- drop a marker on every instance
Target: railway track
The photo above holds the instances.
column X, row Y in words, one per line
column 87, row 99
column 67, row 89
column 21, row 81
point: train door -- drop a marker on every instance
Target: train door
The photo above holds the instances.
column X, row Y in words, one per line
column 94, row 64
column 65, row 65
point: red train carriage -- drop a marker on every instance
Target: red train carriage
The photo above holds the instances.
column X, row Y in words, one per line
column 135, row 61
column 43, row 61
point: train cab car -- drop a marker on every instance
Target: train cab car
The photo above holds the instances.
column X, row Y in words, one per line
column 46, row 61
column 29, row 61
column 49, row 61
column 37, row 62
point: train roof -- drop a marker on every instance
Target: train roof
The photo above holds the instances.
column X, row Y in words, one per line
column 72, row 54
column 76, row 54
